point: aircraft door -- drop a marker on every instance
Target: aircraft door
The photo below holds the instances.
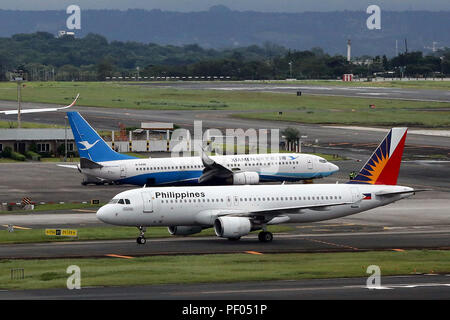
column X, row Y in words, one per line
column 309, row 163
column 123, row 171
column 147, row 202
column 355, row 197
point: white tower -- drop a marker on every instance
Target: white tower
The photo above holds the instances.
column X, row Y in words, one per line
column 349, row 50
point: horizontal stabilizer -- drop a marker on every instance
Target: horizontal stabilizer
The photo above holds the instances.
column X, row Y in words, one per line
column 70, row 166
column 391, row 193
column 89, row 164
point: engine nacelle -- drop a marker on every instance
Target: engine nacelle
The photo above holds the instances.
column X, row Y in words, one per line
column 232, row 227
column 184, row 230
column 246, row 178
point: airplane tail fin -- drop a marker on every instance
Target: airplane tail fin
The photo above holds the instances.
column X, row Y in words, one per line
column 384, row 164
column 89, row 144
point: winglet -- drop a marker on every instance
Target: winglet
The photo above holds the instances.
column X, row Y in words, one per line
column 384, row 164
column 207, row 161
column 72, row 104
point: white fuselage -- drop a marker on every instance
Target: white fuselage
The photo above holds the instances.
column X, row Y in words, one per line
column 201, row 205
column 166, row 171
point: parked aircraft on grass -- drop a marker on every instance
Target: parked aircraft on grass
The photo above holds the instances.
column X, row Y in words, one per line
column 99, row 163
column 235, row 211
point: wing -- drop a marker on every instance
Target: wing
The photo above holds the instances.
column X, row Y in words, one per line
column 8, row 112
column 207, row 217
column 213, row 169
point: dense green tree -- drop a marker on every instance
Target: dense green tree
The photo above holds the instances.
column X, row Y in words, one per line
column 44, row 57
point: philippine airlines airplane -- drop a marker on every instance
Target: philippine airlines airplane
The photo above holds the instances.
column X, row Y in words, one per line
column 16, row 111
column 98, row 162
column 235, row 211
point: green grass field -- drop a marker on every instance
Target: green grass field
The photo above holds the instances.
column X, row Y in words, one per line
column 40, row 274
column 25, row 125
column 259, row 105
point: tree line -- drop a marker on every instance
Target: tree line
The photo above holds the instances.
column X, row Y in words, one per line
column 42, row 56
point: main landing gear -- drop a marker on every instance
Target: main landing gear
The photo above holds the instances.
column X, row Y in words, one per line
column 141, row 239
column 265, row 236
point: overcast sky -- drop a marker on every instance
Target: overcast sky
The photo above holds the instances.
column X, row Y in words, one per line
column 241, row 5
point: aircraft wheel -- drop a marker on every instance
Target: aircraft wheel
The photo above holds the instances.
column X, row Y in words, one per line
column 141, row 240
column 265, row 236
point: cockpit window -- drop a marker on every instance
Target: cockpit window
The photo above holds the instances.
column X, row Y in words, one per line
column 322, row 161
column 120, row 201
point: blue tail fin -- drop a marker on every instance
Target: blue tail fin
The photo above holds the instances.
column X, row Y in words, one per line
column 89, row 144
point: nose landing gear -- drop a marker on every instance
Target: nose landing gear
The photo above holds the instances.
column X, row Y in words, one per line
column 141, row 239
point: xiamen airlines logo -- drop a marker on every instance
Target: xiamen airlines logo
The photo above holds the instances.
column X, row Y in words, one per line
column 87, row 145
column 293, row 158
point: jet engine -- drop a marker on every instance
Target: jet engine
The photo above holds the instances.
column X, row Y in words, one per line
column 184, row 230
column 232, row 227
column 246, row 178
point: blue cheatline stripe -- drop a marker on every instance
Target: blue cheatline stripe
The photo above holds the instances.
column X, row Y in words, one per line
column 192, row 177
column 163, row 177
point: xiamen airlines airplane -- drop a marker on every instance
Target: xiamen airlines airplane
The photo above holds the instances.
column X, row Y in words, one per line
column 98, row 162
column 235, row 211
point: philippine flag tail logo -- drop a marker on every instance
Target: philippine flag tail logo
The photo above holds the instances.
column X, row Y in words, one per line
column 367, row 196
column 384, row 164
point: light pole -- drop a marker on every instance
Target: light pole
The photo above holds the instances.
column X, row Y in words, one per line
column 18, row 78
column 65, row 138
column 19, row 85
column 290, row 69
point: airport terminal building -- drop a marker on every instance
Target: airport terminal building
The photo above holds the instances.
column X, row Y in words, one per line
column 46, row 140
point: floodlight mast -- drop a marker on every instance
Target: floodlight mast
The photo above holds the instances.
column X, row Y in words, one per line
column 18, row 78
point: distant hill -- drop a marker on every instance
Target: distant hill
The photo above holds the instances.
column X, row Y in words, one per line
column 220, row 27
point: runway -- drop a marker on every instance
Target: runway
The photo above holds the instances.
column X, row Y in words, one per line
column 323, row 90
column 422, row 287
column 396, row 240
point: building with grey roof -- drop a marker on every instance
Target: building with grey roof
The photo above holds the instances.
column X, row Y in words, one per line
column 46, row 140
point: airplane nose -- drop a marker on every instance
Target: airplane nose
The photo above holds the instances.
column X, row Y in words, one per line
column 333, row 167
column 102, row 214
